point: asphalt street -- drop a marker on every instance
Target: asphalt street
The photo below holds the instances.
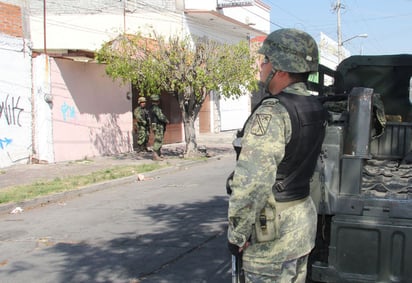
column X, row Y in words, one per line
column 171, row 227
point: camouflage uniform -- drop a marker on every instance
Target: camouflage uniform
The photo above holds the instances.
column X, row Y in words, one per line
column 159, row 121
column 283, row 256
column 142, row 125
column 263, row 147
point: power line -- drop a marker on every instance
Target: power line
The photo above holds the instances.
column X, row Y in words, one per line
column 173, row 17
column 259, row 16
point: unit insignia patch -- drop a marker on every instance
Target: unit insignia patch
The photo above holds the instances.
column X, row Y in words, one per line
column 260, row 124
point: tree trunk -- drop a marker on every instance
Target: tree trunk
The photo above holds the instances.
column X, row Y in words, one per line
column 190, row 136
column 190, row 109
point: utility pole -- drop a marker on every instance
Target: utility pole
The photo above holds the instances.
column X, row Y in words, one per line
column 124, row 16
column 44, row 28
column 337, row 8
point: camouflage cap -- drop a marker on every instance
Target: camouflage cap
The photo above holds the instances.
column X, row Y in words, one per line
column 291, row 50
column 155, row 97
column 141, row 99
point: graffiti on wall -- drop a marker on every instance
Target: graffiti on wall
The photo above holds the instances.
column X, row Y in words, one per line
column 5, row 142
column 10, row 110
column 15, row 132
column 16, row 135
column 68, row 111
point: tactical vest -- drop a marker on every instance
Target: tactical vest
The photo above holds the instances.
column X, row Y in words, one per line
column 153, row 116
column 308, row 119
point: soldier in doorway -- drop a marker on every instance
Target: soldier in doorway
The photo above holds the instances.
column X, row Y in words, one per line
column 142, row 124
column 159, row 122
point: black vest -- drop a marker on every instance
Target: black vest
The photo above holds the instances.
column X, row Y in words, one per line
column 308, row 119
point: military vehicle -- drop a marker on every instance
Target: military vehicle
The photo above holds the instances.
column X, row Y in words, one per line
column 363, row 182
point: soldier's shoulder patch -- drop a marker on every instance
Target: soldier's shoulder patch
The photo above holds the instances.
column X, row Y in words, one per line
column 270, row 101
column 260, row 124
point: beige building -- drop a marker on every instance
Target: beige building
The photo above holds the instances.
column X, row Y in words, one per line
column 67, row 107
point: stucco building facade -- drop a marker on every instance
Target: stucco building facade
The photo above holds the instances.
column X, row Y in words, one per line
column 58, row 104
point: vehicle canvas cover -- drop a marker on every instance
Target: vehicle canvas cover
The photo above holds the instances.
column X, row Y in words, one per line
column 388, row 75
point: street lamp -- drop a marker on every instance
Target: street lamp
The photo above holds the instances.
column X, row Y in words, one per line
column 364, row 35
column 340, row 44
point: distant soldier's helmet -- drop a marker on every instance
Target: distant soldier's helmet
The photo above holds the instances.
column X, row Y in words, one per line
column 141, row 99
column 291, row 50
column 155, row 97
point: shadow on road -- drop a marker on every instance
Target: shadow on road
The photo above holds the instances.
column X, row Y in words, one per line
column 171, row 243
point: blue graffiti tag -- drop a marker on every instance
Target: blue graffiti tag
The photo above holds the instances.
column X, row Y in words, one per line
column 68, row 111
column 5, row 141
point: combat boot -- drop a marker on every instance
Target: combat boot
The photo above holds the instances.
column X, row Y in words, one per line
column 156, row 157
column 140, row 149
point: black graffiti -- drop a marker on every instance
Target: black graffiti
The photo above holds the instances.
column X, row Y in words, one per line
column 10, row 110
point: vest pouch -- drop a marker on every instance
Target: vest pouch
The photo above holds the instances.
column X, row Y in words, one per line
column 265, row 225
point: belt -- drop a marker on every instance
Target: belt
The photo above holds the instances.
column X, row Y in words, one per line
column 281, row 206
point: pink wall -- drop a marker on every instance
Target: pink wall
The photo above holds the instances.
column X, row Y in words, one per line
column 91, row 114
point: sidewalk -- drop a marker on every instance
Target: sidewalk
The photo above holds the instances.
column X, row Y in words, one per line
column 214, row 144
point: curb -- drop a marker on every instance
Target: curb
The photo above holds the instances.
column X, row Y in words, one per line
column 60, row 196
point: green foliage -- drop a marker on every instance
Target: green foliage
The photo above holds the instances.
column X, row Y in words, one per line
column 188, row 67
column 130, row 59
column 237, row 70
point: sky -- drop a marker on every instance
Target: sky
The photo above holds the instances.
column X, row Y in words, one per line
column 388, row 23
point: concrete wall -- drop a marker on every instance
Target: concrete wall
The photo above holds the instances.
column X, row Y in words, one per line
column 91, row 114
column 43, row 150
column 234, row 112
column 15, row 89
column 256, row 16
column 88, row 24
column 89, row 32
column 207, row 5
column 54, row 109
column 97, row 6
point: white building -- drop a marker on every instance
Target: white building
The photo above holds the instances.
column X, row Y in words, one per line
column 70, row 109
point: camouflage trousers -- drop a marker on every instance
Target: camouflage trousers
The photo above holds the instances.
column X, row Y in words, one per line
column 293, row 271
column 142, row 135
column 158, row 131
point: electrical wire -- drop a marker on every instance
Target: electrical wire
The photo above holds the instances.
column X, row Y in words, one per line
column 174, row 17
column 357, row 16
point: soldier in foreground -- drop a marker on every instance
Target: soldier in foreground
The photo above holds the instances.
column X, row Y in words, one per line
column 272, row 218
column 159, row 122
column 142, row 124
